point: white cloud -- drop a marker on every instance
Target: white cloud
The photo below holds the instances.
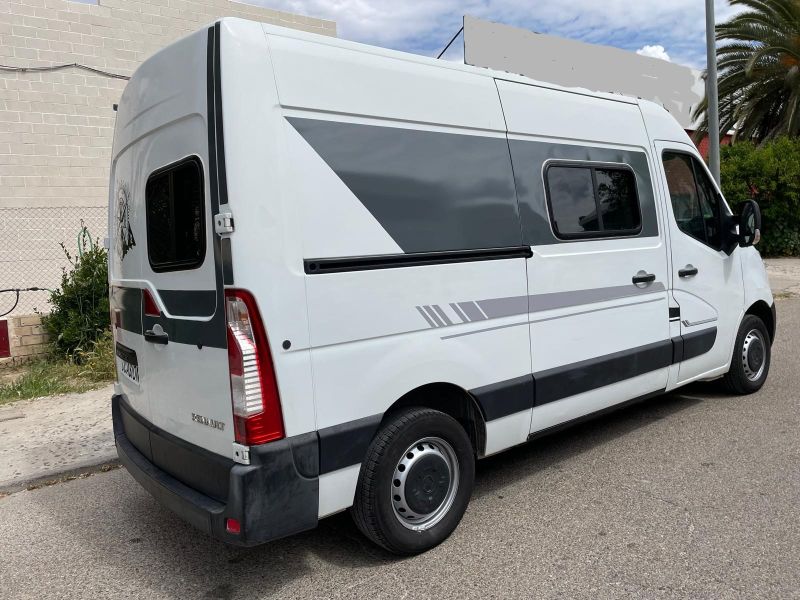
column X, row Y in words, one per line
column 425, row 26
column 656, row 51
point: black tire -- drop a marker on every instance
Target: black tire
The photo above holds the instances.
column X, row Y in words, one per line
column 745, row 375
column 374, row 510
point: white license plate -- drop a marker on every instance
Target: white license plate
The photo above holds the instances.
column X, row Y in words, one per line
column 128, row 363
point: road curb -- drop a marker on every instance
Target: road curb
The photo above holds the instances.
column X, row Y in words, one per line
column 94, row 465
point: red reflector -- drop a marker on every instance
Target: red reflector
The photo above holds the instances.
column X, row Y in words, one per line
column 150, row 307
column 117, row 321
column 233, row 526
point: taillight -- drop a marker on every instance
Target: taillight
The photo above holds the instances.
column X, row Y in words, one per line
column 254, row 390
column 150, row 307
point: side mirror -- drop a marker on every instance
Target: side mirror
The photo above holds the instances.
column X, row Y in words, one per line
column 749, row 224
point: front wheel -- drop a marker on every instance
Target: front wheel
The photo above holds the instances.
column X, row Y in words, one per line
column 415, row 482
column 751, row 357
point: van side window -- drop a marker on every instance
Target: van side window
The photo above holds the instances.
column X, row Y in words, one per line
column 176, row 238
column 695, row 203
column 587, row 201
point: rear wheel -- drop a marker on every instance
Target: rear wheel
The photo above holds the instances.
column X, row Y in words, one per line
column 415, row 482
column 751, row 357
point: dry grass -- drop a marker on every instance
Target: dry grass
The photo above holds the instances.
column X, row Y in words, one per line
column 56, row 375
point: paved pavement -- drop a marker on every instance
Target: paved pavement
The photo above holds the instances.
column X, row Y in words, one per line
column 784, row 276
column 49, row 436
column 693, row 495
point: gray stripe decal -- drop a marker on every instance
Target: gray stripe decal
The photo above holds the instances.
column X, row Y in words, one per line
column 189, row 303
column 504, row 307
column 689, row 323
column 441, row 313
column 426, row 317
column 457, row 309
column 554, row 300
column 496, row 308
column 455, row 335
column 583, row 312
column 461, row 186
column 472, row 311
column 434, row 316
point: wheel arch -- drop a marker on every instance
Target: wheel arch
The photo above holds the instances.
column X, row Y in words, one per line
column 452, row 400
column 764, row 311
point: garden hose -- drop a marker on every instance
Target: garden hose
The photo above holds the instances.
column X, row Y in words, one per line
column 17, row 292
column 83, row 236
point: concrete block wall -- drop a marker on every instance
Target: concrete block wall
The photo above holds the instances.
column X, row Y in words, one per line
column 56, row 126
column 27, row 339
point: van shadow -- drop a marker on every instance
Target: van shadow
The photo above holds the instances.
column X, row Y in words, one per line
column 134, row 535
column 548, row 452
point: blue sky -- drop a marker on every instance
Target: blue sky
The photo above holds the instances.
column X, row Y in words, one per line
column 424, row 27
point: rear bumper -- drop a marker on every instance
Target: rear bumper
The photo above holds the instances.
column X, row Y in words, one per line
column 276, row 495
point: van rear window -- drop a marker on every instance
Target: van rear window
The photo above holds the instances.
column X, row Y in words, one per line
column 176, row 237
column 588, row 201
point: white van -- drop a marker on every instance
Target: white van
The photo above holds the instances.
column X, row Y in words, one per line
column 340, row 275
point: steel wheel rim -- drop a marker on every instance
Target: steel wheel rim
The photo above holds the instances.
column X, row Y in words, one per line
column 754, row 355
column 411, row 469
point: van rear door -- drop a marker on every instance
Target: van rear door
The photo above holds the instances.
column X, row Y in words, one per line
column 181, row 349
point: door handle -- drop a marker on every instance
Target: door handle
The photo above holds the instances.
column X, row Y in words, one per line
column 642, row 277
column 155, row 337
column 687, row 271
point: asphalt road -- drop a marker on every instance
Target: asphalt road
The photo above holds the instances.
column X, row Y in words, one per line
column 694, row 495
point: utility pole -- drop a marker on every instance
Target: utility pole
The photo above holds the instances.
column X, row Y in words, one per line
column 711, row 92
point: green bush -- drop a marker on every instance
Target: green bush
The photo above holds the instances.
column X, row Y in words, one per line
column 80, row 314
column 99, row 363
column 770, row 175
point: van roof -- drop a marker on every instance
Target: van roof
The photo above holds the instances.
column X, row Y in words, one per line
column 277, row 30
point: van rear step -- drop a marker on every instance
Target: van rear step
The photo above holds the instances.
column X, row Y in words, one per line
column 275, row 496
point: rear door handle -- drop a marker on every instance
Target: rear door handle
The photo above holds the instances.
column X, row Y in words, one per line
column 156, row 337
column 687, row 271
column 642, row 277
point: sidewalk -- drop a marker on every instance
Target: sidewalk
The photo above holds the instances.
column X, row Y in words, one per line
column 46, row 437
column 784, row 276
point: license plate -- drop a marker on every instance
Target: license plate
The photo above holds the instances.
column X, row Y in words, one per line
column 128, row 363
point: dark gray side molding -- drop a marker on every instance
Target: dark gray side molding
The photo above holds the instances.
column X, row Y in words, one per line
column 514, row 395
column 505, row 398
column 317, row 266
column 346, row 444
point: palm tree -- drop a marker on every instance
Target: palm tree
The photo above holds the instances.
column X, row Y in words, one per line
column 759, row 71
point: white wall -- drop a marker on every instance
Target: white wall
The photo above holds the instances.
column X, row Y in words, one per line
column 56, row 127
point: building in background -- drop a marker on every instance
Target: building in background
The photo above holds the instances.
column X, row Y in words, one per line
column 577, row 64
column 56, row 125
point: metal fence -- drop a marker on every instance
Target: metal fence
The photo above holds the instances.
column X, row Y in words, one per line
column 30, row 251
